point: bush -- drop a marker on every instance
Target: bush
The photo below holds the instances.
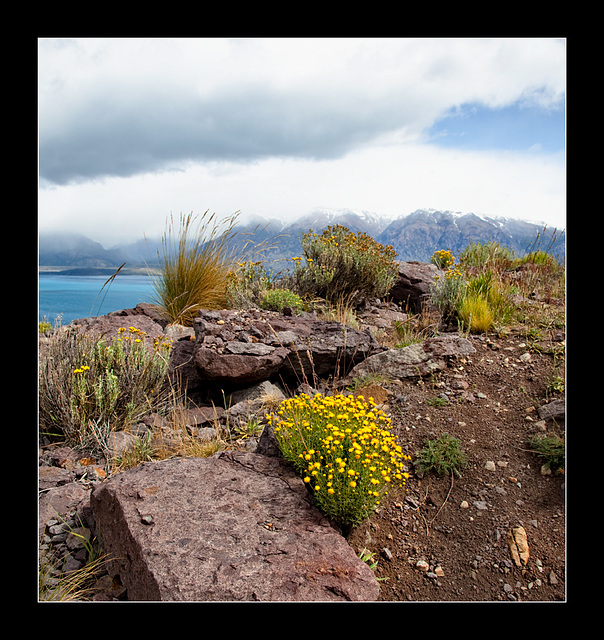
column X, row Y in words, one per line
column 342, row 448
column 448, row 291
column 195, row 267
column 89, row 387
column 443, row 456
column 343, row 265
column 248, row 284
column 277, row 299
column 486, row 255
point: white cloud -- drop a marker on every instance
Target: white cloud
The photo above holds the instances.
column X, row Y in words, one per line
column 133, row 129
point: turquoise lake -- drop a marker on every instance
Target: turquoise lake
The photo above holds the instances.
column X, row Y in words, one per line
column 81, row 296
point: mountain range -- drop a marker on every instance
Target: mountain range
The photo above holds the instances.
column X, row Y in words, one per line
column 415, row 236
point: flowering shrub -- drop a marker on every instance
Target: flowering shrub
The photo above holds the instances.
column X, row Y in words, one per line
column 341, row 447
column 248, row 283
column 89, row 386
column 448, row 291
column 341, row 264
column 277, row 299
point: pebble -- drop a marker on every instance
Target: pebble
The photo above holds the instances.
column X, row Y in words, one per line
column 422, row 565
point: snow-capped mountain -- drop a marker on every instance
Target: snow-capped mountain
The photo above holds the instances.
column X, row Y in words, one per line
column 415, row 236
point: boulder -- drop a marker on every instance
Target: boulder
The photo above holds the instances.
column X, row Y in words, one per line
column 413, row 285
column 246, row 347
column 235, row 526
column 108, row 326
column 152, row 311
column 414, row 360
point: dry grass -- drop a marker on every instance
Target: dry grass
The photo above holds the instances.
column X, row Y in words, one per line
column 195, row 266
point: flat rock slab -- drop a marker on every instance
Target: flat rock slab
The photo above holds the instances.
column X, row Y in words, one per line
column 420, row 359
column 235, row 526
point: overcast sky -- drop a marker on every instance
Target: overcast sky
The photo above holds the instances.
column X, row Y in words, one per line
column 133, row 130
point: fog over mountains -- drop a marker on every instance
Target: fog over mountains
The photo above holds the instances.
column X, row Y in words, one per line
column 415, row 236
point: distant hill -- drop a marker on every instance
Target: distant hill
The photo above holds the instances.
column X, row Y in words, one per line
column 415, row 236
column 75, row 250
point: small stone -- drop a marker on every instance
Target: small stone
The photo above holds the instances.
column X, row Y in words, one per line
column 147, row 519
column 489, row 465
column 481, row 395
column 464, row 504
column 481, row 505
column 525, row 357
column 518, row 544
column 422, row 565
column 552, row 578
column 387, row 553
column 439, row 571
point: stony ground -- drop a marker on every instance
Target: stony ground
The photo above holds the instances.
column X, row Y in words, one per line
column 445, row 538
column 456, row 528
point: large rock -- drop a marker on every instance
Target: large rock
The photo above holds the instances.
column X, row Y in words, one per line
column 415, row 360
column 413, row 286
column 236, row 526
column 109, row 326
column 245, row 347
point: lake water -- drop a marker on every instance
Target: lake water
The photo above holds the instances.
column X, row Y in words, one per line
column 81, row 296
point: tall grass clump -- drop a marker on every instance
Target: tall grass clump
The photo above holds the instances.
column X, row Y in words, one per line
column 195, row 263
column 473, row 293
column 486, row 256
column 338, row 264
column 342, row 448
column 90, row 386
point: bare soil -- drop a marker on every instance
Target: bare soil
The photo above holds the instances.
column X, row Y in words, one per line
column 459, row 526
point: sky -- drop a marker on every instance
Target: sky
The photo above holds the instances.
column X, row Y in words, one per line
column 134, row 130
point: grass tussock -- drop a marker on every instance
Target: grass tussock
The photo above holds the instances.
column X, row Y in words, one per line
column 195, row 266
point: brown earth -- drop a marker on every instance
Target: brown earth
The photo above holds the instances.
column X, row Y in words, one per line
column 492, row 408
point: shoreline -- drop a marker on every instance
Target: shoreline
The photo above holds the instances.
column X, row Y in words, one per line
column 95, row 271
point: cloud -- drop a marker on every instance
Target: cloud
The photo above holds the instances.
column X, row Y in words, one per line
column 127, row 107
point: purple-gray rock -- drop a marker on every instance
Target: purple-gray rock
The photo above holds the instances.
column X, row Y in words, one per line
column 235, row 526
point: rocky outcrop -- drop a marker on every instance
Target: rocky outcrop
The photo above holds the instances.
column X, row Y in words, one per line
column 246, row 347
column 236, row 526
column 415, row 360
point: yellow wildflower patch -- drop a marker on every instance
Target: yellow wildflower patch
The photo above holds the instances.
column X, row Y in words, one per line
column 345, row 445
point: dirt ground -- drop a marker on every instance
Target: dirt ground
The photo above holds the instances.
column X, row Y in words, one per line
column 459, row 526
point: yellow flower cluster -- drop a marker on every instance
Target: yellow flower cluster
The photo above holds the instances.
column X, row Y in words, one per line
column 443, row 259
column 344, row 451
column 82, row 369
column 137, row 335
column 452, row 273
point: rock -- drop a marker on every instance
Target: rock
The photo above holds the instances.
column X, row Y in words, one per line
column 518, row 544
column 414, row 284
column 120, row 442
column 238, row 368
column 151, row 311
column 108, row 326
column 414, row 360
column 256, row 392
column 236, row 526
column 386, row 553
column 554, row 410
column 422, row 565
column 243, row 348
column 56, row 502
